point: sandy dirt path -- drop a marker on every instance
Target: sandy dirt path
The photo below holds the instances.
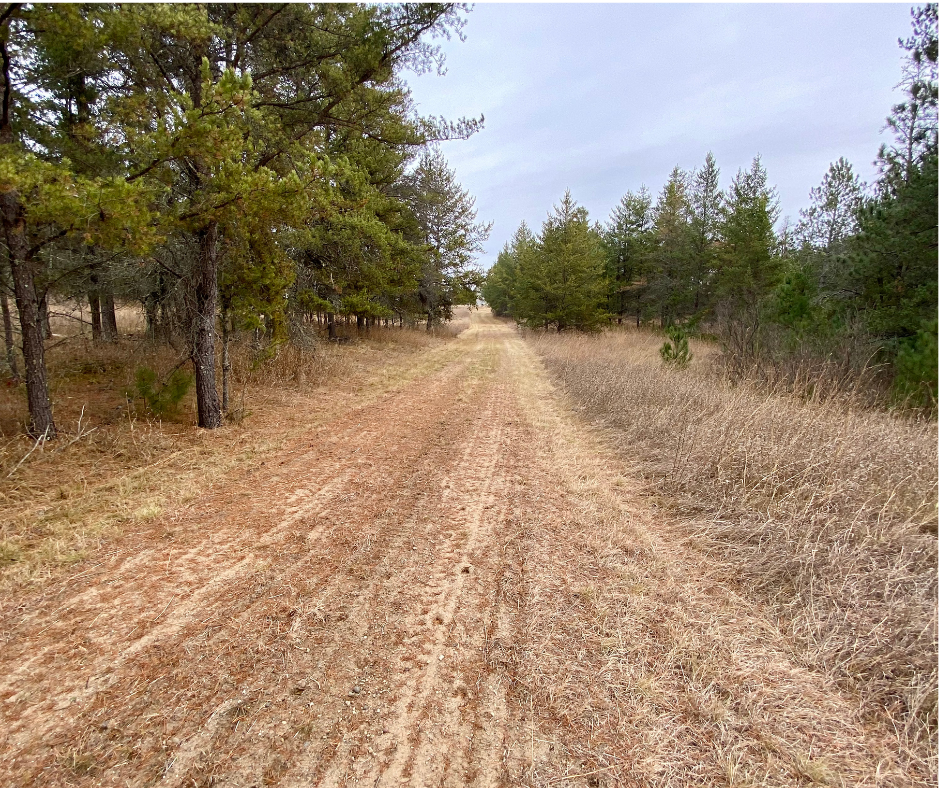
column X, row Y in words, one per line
column 449, row 586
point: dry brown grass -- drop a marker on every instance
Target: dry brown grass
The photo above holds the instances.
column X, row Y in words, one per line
column 70, row 318
column 825, row 512
column 641, row 663
column 114, row 466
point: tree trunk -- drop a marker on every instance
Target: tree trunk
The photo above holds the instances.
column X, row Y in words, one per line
column 94, row 303
column 44, row 323
column 360, row 322
column 28, row 305
column 203, row 340
column 205, row 285
column 8, row 331
column 13, row 224
column 109, row 330
column 331, row 325
column 152, row 313
column 430, row 318
column 226, row 361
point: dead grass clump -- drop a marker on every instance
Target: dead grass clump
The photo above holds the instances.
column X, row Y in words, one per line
column 313, row 359
column 413, row 337
column 460, row 322
column 824, row 511
column 285, row 366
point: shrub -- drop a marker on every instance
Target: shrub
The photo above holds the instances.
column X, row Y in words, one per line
column 162, row 400
column 675, row 350
column 915, row 383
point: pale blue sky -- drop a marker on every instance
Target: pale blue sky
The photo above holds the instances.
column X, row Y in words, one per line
column 603, row 98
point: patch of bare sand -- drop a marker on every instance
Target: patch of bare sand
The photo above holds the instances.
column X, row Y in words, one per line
column 448, row 585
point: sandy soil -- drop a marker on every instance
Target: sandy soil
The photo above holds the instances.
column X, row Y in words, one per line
column 451, row 585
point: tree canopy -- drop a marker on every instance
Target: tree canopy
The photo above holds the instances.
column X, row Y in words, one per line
column 248, row 163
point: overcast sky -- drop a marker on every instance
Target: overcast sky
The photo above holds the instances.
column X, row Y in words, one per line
column 600, row 99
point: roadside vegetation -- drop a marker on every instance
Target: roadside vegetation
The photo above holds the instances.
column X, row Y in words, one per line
column 822, row 510
column 230, row 171
column 845, row 299
column 213, row 215
column 774, row 386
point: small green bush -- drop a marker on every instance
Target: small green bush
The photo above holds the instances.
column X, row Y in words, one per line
column 162, row 400
column 915, row 381
column 675, row 350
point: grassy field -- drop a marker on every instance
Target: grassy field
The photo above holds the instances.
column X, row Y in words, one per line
column 822, row 511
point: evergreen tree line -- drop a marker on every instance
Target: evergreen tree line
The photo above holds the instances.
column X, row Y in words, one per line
column 854, row 282
column 227, row 167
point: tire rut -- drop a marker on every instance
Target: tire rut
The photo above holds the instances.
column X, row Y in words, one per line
column 440, row 650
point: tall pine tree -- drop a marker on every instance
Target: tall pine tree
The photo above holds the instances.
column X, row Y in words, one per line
column 561, row 285
column 670, row 261
column 705, row 203
column 628, row 241
column 747, row 265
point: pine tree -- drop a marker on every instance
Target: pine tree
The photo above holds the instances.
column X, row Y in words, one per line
column 502, row 286
column 914, row 120
column 893, row 258
column 452, row 237
column 497, row 289
column 814, row 284
column 562, row 284
column 42, row 198
column 832, row 216
column 238, row 105
column 72, row 69
column 748, row 265
column 705, row 202
column 669, row 272
column 628, row 240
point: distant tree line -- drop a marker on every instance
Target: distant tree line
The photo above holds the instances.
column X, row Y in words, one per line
column 227, row 167
column 854, row 281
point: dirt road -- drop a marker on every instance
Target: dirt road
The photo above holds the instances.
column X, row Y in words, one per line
column 452, row 585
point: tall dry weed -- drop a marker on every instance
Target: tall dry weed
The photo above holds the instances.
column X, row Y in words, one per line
column 825, row 511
